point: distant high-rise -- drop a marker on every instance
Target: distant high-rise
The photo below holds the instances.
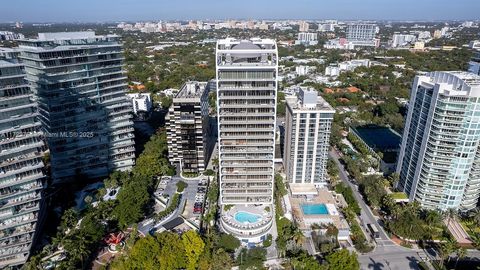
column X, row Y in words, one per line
column 188, row 128
column 362, row 34
column 474, row 64
column 307, row 133
column 247, row 73
column 399, row 40
column 303, row 26
column 21, row 163
column 439, row 161
column 80, row 86
column 307, row 39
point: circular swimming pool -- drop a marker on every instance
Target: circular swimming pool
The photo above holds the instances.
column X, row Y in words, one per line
column 246, row 217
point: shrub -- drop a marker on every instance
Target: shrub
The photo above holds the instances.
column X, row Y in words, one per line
column 268, row 241
column 181, row 186
column 209, row 172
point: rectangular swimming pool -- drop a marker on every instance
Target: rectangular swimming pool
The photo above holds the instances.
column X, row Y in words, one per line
column 314, row 209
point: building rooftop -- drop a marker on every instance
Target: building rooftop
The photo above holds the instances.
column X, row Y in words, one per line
column 66, row 35
column 67, row 41
column 192, row 89
column 468, row 78
column 306, row 98
column 252, row 44
column 52, row 36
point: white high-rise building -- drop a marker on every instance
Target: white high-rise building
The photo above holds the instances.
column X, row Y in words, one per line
column 399, row 40
column 439, row 161
column 307, row 133
column 246, row 74
column 303, row 26
column 362, row 34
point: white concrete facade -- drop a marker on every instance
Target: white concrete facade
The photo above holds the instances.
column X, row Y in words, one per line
column 307, row 133
column 141, row 102
column 246, row 83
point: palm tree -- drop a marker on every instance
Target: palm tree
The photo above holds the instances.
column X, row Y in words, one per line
column 414, row 208
column 475, row 237
column 388, row 202
column 433, row 217
column 298, row 236
column 461, row 253
column 447, row 248
column 450, row 214
column 396, row 211
column 475, row 215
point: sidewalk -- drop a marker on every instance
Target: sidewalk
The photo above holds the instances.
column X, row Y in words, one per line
column 461, row 236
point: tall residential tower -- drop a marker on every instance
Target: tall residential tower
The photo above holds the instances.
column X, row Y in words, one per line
column 188, row 128
column 80, row 86
column 21, row 163
column 439, row 161
column 247, row 73
column 307, row 132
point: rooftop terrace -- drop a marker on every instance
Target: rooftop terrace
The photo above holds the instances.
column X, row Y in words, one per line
column 192, row 89
column 310, row 100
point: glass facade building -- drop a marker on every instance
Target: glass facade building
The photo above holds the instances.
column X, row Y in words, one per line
column 21, row 163
column 439, row 161
column 80, row 85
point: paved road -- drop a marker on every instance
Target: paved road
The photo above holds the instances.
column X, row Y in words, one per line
column 366, row 215
column 386, row 255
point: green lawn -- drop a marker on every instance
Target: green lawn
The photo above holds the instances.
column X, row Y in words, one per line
column 399, row 196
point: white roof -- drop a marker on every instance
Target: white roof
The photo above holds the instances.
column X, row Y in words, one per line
column 303, row 189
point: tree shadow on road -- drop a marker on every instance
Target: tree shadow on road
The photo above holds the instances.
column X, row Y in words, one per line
column 413, row 262
column 375, row 265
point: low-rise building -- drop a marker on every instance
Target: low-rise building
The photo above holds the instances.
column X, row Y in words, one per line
column 141, row 102
column 304, row 70
column 307, row 39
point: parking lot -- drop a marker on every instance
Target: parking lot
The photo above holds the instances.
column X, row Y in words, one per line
column 193, row 197
column 194, row 193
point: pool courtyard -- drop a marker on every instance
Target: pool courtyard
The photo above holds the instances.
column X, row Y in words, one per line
column 319, row 209
column 250, row 223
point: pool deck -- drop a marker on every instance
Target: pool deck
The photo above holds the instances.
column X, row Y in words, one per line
column 256, row 210
column 324, row 197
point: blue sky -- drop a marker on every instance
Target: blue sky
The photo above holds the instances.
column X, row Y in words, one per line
column 117, row 10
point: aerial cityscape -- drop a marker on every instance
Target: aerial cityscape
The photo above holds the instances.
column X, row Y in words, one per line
column 249, row 135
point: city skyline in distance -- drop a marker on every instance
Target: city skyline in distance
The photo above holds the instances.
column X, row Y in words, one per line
column 130, row 10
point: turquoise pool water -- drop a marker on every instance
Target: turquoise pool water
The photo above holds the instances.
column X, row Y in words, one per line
column 314, row 209
column 245, row 217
